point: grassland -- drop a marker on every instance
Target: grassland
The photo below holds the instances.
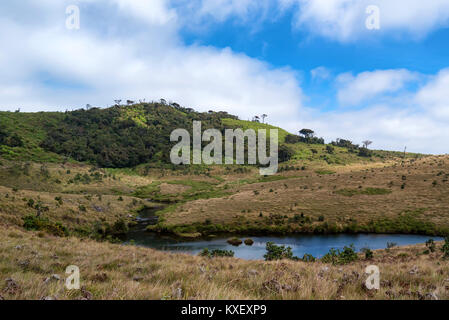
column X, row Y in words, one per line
column 402, row 196
column 56, row 212
column 33, row 266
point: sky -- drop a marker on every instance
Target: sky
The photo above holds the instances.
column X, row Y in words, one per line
column 353, row 69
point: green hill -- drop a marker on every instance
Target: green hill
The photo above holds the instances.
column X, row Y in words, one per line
column 127, row 136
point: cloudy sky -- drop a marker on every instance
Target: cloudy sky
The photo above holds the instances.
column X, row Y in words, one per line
column 305, row 63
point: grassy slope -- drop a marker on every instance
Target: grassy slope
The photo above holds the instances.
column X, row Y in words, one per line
column 245, row 125
column 125, row 272
column 395, row 196
column 338, row 190
column 31, row 128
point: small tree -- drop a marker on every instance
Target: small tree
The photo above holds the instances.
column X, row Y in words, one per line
column 307, row 133
column 366, row 143
column 117, row 102
column 430, row 244
column 264, row 117
column 445, row 248
column 275, row 252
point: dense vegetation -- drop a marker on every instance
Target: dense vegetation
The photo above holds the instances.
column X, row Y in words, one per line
column 123, row 136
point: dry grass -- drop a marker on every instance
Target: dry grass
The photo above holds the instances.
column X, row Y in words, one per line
column 111, row 271
column 416, row 186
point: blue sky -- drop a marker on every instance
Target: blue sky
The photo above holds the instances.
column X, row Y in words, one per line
column 305, row 63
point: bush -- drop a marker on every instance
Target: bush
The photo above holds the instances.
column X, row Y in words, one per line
column 119, row 228
column 216, row 253
column 430, row 244
column 365, row 152
column 369, row 254
column 445, row 248
column 335, row 257
column 275, row 252
column 308, row 258
column 285, row 153
column 391, row 245
column 32, row 222
column 330, row 149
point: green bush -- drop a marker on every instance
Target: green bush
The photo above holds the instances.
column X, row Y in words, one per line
column 430, row 244
column 32, row 222
column 445, row 248
column 335, row 257
column 369, row 254
column 216, row 253
column 308, row 258
column 275, row 252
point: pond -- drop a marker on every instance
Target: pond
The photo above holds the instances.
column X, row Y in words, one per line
column 317, row 245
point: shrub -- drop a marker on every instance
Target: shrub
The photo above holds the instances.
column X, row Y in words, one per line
column 369, row 254
column 216, row 253
column 365, row 152
column 275, row 252
column 308, row 258
column 445, row 248
column 32, row 222
column 119, row 228
column 391, row 245
column 346, row 256
column 285, row 153
column 330, row 149
column 430, row 244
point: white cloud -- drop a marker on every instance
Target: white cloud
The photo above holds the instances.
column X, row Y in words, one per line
column 321, row 73
column 152, row 12
column 344, row 20
column 434, row 97
column 55, row 68
column 367, row 85
column 52, row 68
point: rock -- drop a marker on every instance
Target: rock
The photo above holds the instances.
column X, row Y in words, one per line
column 272, row 285
column 11, row 287
column 202, row 269
column 137, row 278
column 253, row 272
column 98, row 208
column 24, row 263
column 235, row 241
column 177, row 293
column 249, row 242
column 431, row 296
column 100, row 277
column 287, row 287
column 86, row 294
column 49, row 298
column 415, row 270
column 56, row 277
column 18, row 247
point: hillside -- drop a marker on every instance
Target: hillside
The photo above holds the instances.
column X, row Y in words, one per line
column 127, row 136
column 73, row 184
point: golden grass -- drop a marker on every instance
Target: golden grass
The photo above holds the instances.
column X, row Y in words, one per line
column 111, row 271
column 416, row 185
